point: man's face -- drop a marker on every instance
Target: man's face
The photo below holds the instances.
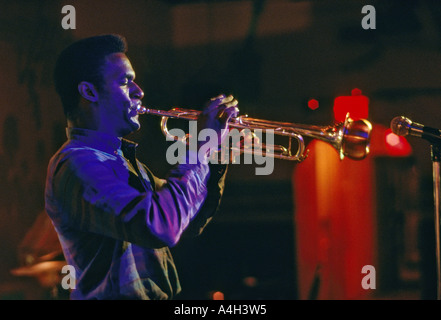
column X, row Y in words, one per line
column 119, row 97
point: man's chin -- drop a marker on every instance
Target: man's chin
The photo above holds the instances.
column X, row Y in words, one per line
column 133, row 125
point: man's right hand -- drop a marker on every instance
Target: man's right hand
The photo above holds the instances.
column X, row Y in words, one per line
column 217, row 114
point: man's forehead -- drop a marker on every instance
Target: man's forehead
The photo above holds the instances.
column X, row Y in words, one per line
column 118, row 63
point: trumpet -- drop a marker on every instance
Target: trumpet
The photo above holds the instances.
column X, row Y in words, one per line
column 350, row 138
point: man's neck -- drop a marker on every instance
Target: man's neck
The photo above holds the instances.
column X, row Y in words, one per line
column 89, row 126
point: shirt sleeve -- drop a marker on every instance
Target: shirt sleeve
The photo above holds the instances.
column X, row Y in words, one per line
column 211, row 205
column 89, row 196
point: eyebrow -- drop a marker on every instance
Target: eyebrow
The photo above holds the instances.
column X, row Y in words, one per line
column 128, row 75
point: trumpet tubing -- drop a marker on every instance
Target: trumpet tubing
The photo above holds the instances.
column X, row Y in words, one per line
column 350, row 138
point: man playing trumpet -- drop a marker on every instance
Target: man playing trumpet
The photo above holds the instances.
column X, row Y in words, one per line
column 114, row 218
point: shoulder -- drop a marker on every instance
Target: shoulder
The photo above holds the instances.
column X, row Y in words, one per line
column 75, row 157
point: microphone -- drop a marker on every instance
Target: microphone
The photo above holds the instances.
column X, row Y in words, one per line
column 403, row 126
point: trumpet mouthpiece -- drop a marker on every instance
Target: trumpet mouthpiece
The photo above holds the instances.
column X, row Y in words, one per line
column 141, row 109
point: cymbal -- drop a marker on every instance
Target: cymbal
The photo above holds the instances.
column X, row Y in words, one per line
column 48, row 273
column 39, row 268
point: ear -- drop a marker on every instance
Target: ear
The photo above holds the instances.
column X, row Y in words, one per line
column 88, row 91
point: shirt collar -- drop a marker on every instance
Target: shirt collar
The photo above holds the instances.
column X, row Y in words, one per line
column 99, row 140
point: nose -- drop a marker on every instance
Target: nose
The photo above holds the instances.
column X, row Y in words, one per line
column 136, row 91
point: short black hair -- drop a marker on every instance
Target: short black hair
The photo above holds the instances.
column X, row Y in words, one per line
column 83, row 61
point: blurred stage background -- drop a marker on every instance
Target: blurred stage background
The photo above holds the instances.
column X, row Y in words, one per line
column 303, row 232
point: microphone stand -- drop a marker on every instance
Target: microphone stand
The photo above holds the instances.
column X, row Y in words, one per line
column 404, row 126
column 436, row 159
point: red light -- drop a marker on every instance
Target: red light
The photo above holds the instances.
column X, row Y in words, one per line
column 396, row 145
column 250, row 281
column 357, row 105
column 356, row 92
column 392, row 140
column 218, row 295
column 313, row 104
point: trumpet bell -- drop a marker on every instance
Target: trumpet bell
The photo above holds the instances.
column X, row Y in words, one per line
column 355, row 142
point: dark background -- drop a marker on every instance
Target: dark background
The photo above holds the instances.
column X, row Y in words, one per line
column 273, row 56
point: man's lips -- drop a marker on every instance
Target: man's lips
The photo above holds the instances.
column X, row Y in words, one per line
column 134, row 109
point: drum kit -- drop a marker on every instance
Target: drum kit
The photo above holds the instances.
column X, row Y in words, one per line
column 41, row 257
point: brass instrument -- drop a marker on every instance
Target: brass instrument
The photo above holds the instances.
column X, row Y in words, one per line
column 350, row 138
